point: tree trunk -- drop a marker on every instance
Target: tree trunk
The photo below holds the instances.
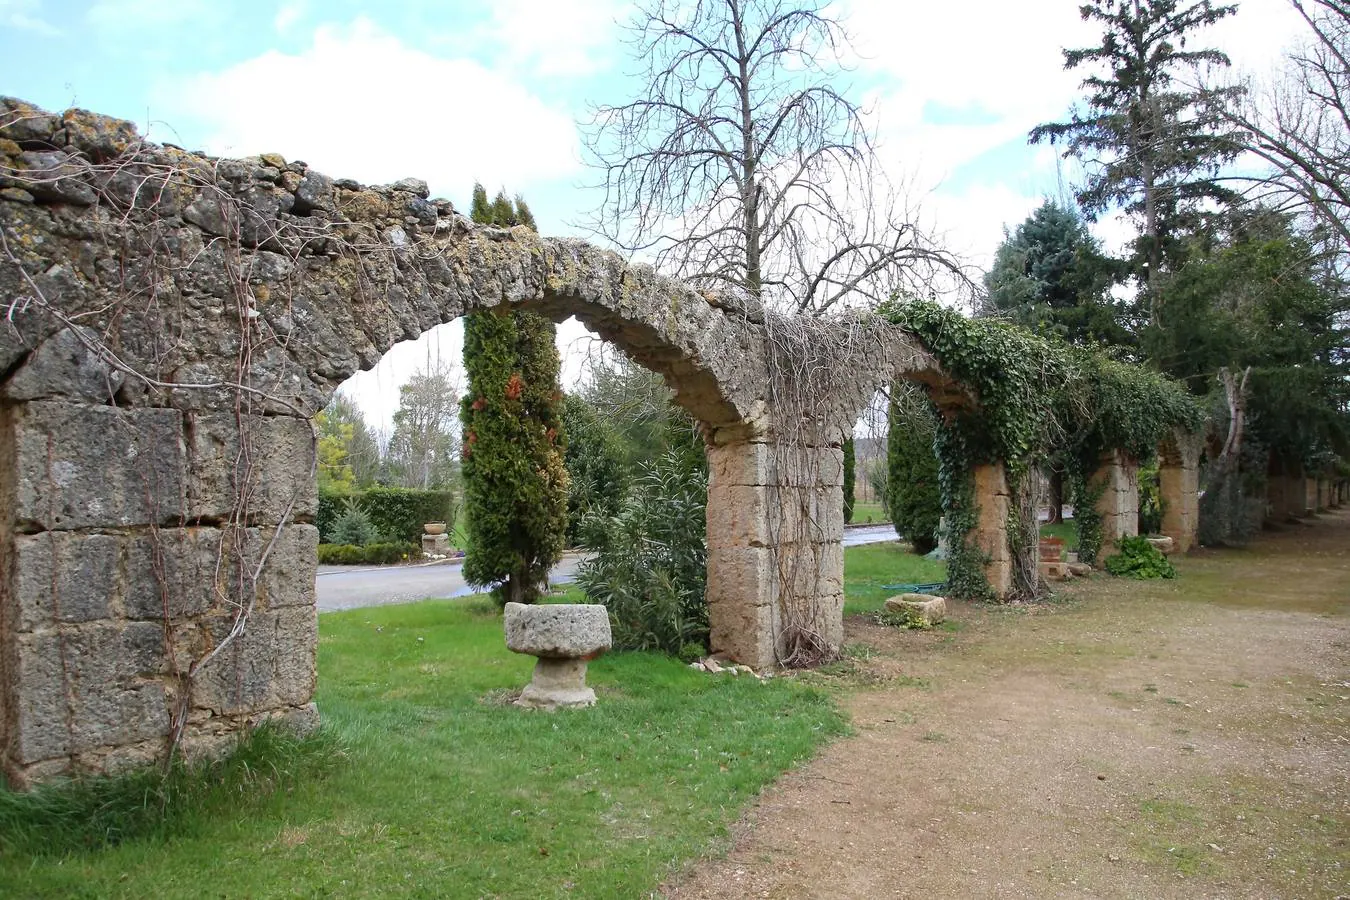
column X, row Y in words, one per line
column 1236, row 393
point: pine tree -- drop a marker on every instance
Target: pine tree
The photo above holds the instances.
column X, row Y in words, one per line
column 1152, row 145
column 1050, row 276
column 480, row 210
column 515, row 485
column 503, row 213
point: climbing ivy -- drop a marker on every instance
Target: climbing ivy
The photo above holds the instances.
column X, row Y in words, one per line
column 1112, row 405
column 1031, row 397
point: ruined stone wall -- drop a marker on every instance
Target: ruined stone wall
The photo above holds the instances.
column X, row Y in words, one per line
column 171, row 323
column 990, row 535
column 1179, row 488
column 1118, row 479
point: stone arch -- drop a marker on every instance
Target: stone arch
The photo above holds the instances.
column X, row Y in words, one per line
column 172, row 323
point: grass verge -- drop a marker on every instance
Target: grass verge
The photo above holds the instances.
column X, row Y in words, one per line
column 867, row 513
column 867, row 569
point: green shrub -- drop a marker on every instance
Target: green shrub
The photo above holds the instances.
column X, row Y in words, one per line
column 650, row 564
column 353, row 526
column 371, row 554
column 396, row 514
column 1139, row 559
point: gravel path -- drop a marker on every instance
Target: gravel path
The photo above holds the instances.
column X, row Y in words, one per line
column 1187, row 738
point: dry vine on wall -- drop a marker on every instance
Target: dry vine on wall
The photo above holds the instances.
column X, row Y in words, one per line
column 129, row 206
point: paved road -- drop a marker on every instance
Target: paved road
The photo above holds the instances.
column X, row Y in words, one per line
column 340, row 587
column 343, row 588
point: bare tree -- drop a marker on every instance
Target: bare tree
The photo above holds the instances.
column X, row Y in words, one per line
column 743, row 167
column 1300, row 124
column 423, row 448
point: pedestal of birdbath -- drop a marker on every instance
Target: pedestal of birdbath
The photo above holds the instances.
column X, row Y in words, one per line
column 564, row 636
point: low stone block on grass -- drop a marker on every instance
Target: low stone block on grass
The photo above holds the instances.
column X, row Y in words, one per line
column 921, row 609
column 564, row 636
column 1164, row 545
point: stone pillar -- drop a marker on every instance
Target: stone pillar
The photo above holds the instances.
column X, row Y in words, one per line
column 119, row 569
column 1309, row 496
column 990, row 536
column 1284, row 496
column 1179, row 489
column 775, row 553
column 1118, row 505
column 1323, row 494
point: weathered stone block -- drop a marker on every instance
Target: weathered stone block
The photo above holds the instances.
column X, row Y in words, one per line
column 1053, row 570
column 276, row 471
column 63, row 366
column 175, row 573
column 81, row 466
column 770, row 463
column 744, row 575
column 742, row 630
column 557, row 630
column 922, row 609
column 85, row 687
column 271, row 664
column 64, row 577
column 1164, row 545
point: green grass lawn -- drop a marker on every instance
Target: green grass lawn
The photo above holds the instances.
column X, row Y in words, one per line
column 446, row 790
column 868, row 568
column 1067, row 531
column 863, row 513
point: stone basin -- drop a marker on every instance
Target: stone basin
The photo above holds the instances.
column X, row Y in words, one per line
column 564, row 636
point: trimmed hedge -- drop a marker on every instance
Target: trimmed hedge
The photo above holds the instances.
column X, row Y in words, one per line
column 398, row 514
column 370, row 554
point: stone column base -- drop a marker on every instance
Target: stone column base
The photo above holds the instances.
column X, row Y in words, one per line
column 557, row 684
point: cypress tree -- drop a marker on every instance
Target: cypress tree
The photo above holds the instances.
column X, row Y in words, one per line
column 515, row 485
column 481, row 210
column 503, row 213
column 913, row 494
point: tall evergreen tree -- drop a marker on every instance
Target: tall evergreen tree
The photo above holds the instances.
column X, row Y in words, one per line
column 515, row 485
column 1151, row 145
column 1050, row 276
column 913, row 492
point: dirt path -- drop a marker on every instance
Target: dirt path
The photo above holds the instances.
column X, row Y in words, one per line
column 1188, row 738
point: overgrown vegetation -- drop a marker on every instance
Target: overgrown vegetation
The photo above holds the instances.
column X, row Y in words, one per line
column 1139, row 559
column 650, row 563
column 1037, row 396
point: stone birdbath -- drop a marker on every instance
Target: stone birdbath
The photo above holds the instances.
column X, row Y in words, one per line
column 564, row 636
column 435, row 543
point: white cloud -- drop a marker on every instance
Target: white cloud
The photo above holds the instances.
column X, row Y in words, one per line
column 1002, row 62
column 22, row 15
column 559, row 37
column 288, row 14
column 138, row 15
column 359, row 103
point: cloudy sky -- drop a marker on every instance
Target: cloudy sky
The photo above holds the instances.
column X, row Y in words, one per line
column 455, row 91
